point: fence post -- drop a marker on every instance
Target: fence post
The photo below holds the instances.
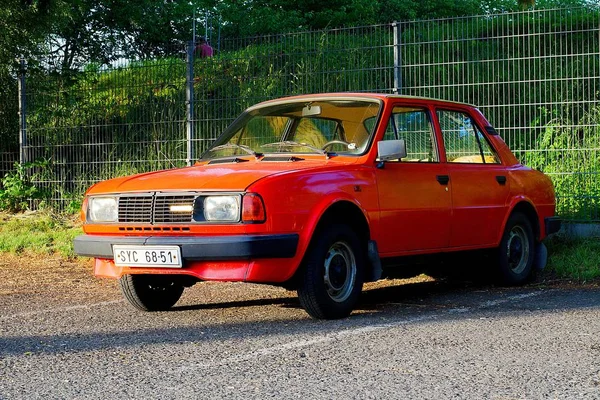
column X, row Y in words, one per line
column 397, row 57
column 189, row 103
column 22, row 112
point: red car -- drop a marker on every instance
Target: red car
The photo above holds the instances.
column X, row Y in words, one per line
column 321, row 193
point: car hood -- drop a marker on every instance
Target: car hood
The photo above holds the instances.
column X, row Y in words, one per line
column 235, row 176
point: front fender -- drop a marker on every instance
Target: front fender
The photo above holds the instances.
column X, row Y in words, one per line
column 298, row 203
column 320, row 209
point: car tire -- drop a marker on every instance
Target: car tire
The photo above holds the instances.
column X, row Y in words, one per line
column 516, row 252
column 150, row 292
column 332, row 273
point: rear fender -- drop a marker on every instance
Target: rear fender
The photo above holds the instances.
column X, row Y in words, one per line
column 526, row 206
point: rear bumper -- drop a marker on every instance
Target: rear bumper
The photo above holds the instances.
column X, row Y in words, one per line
column 553, row 224
column 213, row 248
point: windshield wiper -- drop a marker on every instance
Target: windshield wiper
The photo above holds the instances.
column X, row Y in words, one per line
column 292, row 143
column 246, row 149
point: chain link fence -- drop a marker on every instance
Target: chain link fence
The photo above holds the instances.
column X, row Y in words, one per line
column 535, row 75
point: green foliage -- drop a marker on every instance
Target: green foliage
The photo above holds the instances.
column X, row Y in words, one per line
column 137, row 113
column 23, row 26
column 22, row 30
column 527, row 66
column 103, row 122
column 73, row 202
column 254, row 17
column 100, row 31
column 501, row 6
column 568, row 151
column 9, row 121
column 17, row 188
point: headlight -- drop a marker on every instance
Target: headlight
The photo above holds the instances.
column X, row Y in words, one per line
column 103, row 209
column 222, row 208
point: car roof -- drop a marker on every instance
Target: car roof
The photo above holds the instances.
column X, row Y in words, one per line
column 354, row 96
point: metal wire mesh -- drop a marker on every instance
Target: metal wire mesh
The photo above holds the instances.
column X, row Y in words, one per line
column 535, row 75
column 254, row 69
column 7, row 163
column 106, row 122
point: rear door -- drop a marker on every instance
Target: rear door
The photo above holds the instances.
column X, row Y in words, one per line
column 480, row 185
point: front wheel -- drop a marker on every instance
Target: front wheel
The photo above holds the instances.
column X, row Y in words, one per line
column 150, row 292
column 332, row 273
column 516, row 251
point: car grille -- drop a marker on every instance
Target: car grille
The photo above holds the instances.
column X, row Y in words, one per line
column 155, row 208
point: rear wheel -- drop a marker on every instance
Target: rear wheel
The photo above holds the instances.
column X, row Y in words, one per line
column 516, row 251
column 332, row 273
column 150, row 292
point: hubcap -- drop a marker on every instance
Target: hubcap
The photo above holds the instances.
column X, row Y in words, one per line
column 340, row 271
column 517, row 250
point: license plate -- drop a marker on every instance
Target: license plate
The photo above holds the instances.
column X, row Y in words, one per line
column 147, row 256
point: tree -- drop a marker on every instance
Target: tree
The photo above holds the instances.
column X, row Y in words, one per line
column 23, row 25
column 102, row 31
column 499, row 6
column 256, row 17
column 22, row 29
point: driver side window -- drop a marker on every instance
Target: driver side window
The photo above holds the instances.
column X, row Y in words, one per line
column 414, row 126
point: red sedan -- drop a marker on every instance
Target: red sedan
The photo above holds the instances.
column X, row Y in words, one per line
column 322, row 193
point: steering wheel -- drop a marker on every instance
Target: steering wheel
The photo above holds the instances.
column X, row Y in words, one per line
column 332, row 142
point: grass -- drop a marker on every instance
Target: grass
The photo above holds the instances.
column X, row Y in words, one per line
column 576, row 259
column 40, row 232
column 43, row 232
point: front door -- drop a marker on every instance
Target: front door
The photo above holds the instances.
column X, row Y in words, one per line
column 414, row 192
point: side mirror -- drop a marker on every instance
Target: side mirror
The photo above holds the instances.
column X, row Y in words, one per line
column 391, row 149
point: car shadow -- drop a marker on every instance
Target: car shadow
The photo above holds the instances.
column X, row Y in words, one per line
column 291, row 302
column 414, row 293
column 403, row 303
column 397, row 292
column 371, row 298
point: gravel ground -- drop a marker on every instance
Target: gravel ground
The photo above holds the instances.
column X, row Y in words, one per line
column 67, row 335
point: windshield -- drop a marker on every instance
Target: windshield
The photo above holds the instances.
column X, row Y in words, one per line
column 340, row 126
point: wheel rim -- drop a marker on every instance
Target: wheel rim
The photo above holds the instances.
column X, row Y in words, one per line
column 340, row 271
column 517, row 250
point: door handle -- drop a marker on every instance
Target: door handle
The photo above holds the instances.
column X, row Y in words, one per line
column 443, row 179
column 501, row 179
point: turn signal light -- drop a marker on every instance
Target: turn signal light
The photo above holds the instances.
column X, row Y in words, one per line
column 83, row 210
column 253, row 209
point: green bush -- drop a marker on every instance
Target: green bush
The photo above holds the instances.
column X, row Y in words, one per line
column 568, row 151
column 18, row 191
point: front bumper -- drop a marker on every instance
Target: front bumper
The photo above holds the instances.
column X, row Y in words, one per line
column 213, row 248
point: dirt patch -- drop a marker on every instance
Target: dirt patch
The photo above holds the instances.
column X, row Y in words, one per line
column 51, row 280
column 48, row 280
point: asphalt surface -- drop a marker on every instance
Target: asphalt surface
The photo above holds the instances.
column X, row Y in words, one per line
column 426, row 340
